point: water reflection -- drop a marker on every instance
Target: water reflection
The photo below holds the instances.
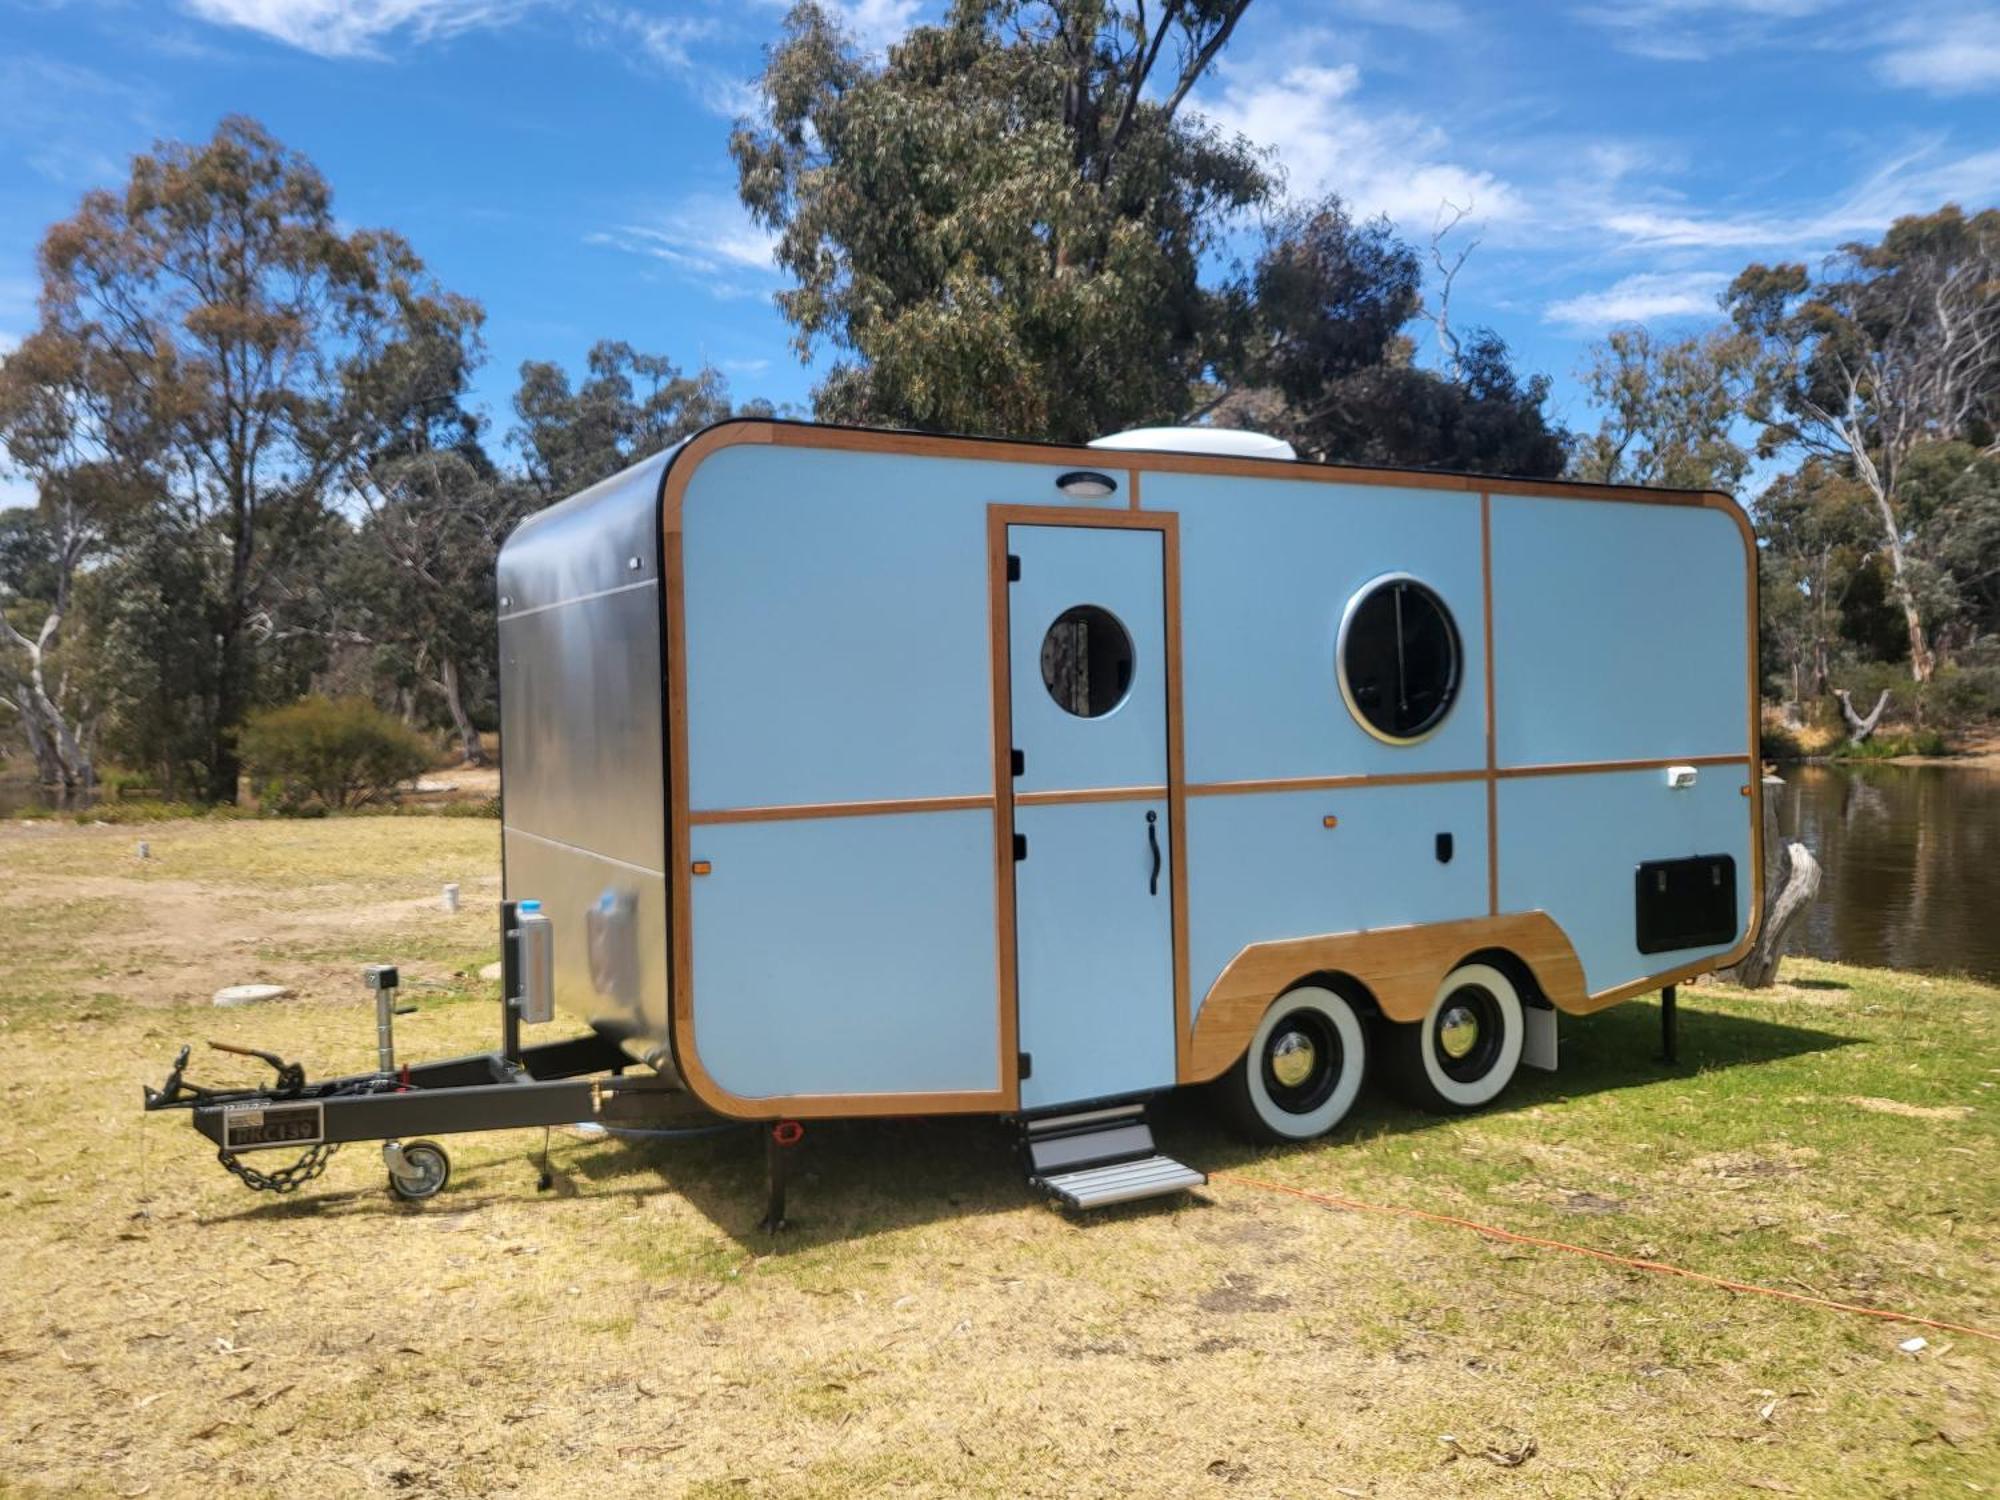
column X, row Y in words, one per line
column 1912, row 862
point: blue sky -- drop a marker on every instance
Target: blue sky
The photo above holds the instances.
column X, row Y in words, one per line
column 564, row 160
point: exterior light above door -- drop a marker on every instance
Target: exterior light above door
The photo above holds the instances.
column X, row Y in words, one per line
column 1086, row 484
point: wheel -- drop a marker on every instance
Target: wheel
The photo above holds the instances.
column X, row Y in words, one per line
column 429, row 1170
column 1465, row 1049
column 1302, row 1070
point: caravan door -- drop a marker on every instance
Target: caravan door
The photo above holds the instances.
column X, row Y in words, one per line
column 1093, row 904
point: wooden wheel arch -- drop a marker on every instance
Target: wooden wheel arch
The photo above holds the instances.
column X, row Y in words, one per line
column 1401, row 967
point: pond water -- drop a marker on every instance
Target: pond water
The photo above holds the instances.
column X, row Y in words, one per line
column 1911, row 856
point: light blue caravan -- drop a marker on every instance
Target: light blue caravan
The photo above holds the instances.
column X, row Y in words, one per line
column 870, row 773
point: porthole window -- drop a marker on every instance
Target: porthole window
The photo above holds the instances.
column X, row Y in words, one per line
column 1087, row 661
column 1399, row 659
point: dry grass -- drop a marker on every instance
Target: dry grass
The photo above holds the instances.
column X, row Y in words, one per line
column 928, row 1329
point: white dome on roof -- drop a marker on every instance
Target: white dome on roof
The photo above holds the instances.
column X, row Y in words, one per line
column 1227, row 442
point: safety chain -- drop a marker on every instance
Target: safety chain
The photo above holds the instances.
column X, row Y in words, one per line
column 285, row 1179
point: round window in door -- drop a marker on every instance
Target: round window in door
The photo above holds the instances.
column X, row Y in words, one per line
column 1087, row 661
column 1399, row 659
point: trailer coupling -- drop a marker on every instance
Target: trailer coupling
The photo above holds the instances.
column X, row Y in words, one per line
column 556, row 1083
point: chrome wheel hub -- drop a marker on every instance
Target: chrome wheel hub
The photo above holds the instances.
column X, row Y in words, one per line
column 1458, row 1031
column 1293, row 1058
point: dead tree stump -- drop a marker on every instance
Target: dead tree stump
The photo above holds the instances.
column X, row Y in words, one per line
column 1791, row 881
column 1858, row 728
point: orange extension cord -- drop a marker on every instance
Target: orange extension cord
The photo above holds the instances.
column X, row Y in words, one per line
column 1663, row 1268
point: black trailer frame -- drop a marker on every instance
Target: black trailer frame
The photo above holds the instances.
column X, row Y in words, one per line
column 580, row 1079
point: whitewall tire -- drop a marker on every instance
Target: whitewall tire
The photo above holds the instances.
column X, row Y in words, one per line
column 1303, row 1068
column 1466, row 1049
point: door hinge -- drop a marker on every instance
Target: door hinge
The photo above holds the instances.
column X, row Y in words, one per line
column 1013, row 568
column 1024, row 1065
column 1019, row 760
column 1020, row 846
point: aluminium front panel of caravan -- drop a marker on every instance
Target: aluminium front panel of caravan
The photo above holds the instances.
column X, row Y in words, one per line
column 584, row 826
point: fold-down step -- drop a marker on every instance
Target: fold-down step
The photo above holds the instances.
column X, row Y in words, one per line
column 1101, row 1156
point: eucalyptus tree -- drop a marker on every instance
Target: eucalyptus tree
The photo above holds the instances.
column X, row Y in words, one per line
column 628, row 406
column 56, row 432
column 1671, row 408
column 999, row 228
column 256, row 347
column 1321, row 357
column 1889, row 348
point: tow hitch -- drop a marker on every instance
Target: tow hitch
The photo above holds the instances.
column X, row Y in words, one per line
column 513, row 1086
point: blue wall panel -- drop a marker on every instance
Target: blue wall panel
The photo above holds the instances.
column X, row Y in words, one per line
column 837, row 624
column 1096, row 948
column 1570, row 846
column 1267, row 567
column 1619, row 631
column 1263, row 866
column 847, row 955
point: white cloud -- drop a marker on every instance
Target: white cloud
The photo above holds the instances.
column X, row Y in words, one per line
column 674, row 44
column 1696, row 30
column 1641, row 298
column 1436, row 17
column 1957, row 54
column 67, row 123
column 1915, row 182
column 356, row 28
column 1378, row 160
column 877, row 23
column 708, row 238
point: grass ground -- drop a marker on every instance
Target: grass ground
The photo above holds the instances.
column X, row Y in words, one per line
column 927, row 1328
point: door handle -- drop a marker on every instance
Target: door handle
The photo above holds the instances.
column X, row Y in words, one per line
column 1153, row 839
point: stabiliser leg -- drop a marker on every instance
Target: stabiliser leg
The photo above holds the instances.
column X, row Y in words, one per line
column 778, row 1146
column 1670, row 1051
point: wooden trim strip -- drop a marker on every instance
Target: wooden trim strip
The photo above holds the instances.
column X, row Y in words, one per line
column 1492, row 735
column 1593, row 767
column 1091, row 794
column 781, row 812
column 785, row 812
column 1327, row 783
column 1078, row 515
column 1002, row 450
column 1006, row 955
column 1177, row 820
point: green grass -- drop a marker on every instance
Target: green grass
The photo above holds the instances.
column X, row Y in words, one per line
column 927, row 1327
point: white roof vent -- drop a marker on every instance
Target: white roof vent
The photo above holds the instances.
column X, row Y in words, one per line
column 1228, row 442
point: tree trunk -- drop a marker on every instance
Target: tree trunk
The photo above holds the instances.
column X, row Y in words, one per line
column 1921, row 660
column 225, row 766
column 468, row 732
column 1791, row 881
column 60, row 756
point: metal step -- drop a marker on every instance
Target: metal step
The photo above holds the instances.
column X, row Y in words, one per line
column 1091, row 1158
column 1121, row 1182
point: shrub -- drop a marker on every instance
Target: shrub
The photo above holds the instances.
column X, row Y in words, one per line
column 1779, row 741
column 330, row 752
column 1892, row 746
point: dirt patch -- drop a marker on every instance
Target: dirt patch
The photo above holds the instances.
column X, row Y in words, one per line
column 1909, row 1111
column 1239, row 1294
column 1589, row 1203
